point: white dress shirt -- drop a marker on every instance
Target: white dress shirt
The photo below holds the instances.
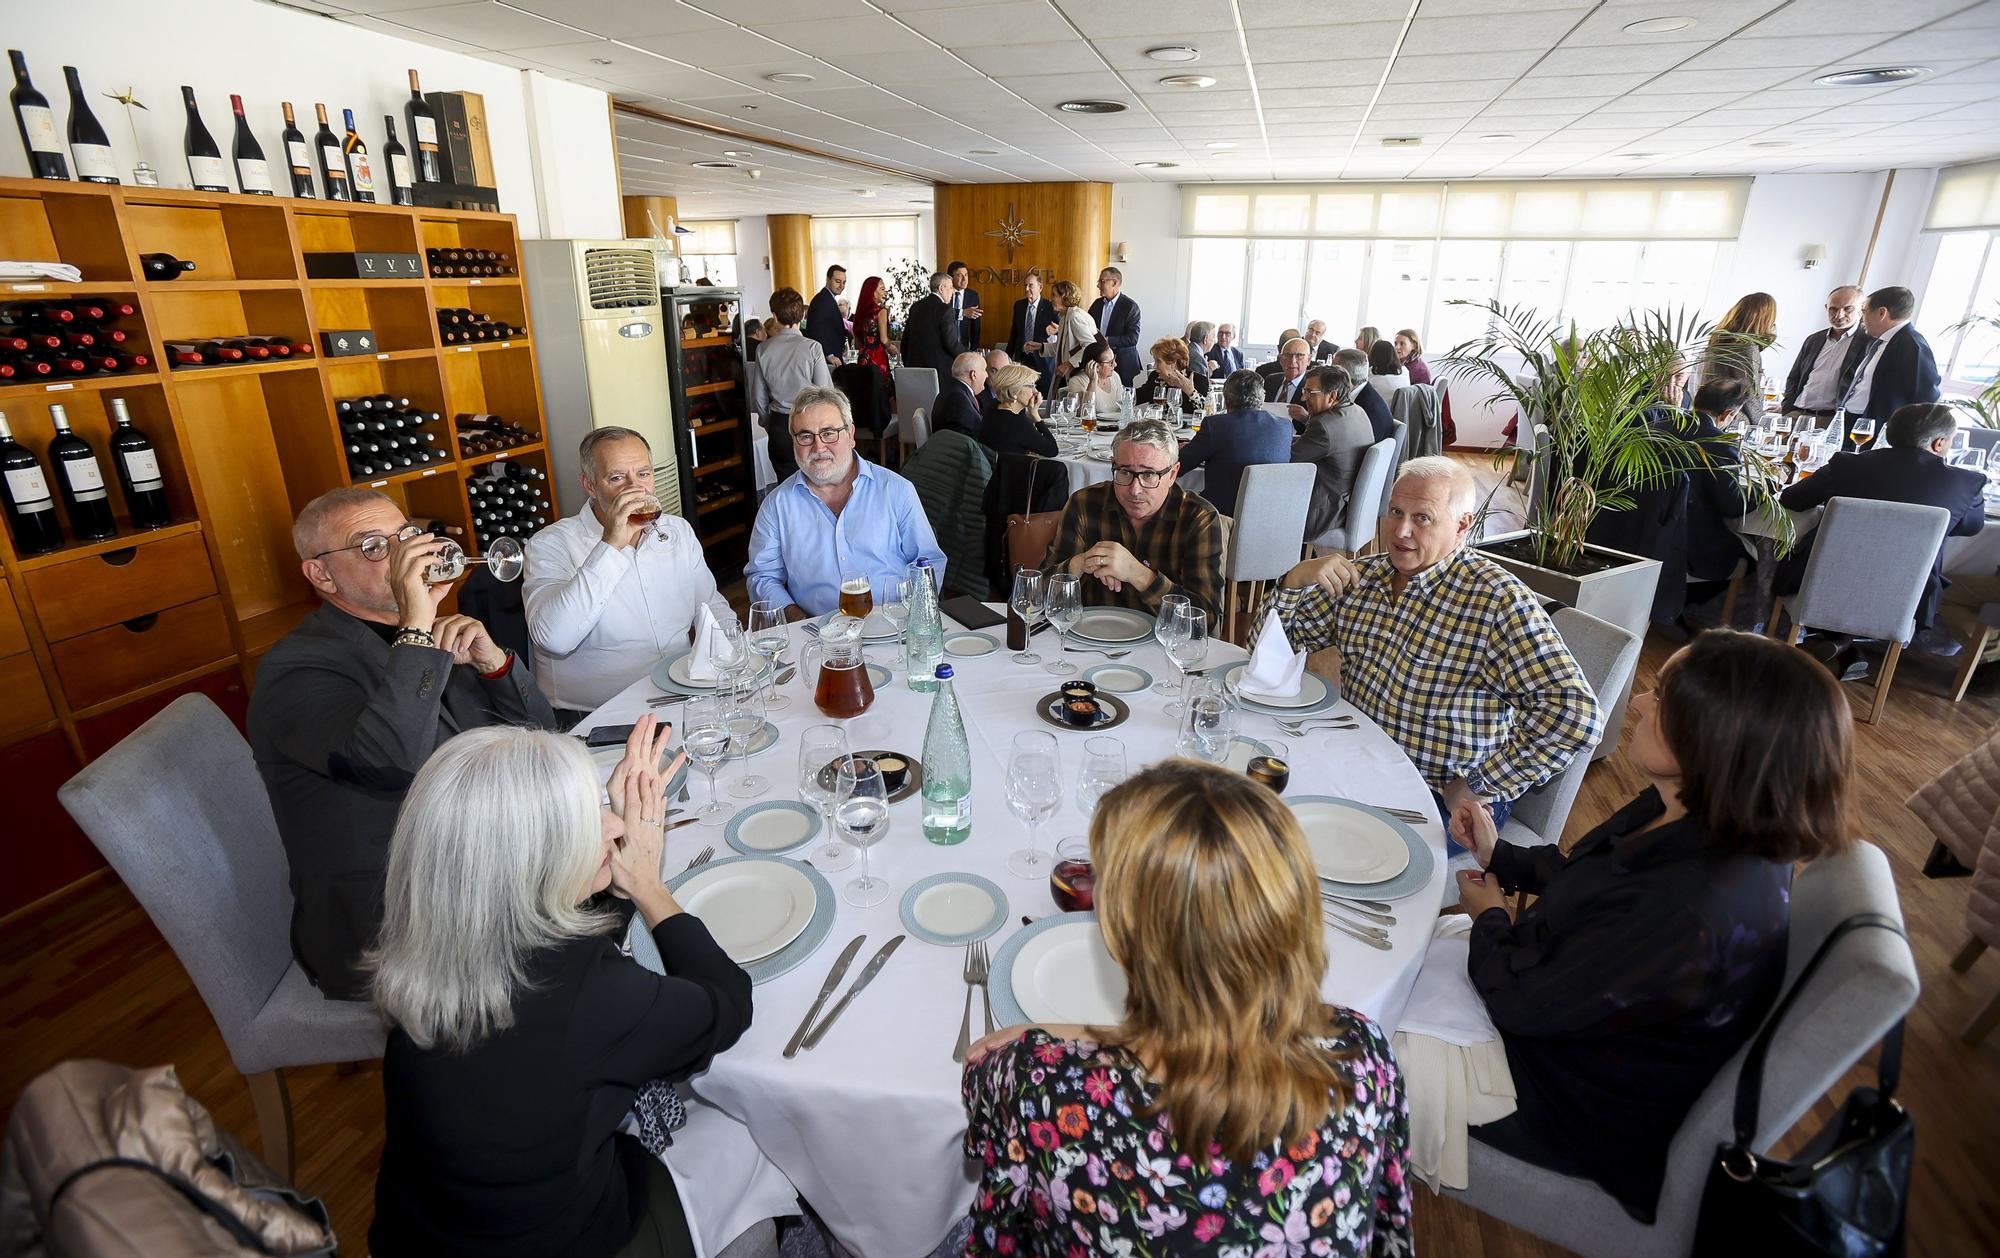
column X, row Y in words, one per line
column 1821, row 391
column 600, row 617
column 1856, row 402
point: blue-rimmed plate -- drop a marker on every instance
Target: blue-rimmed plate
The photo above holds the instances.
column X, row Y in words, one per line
column 763, row 740
column 671, row 673
column 875, row 630
column 1124, row 679
column 953, row 909
column 1112, row 626
column 1362, row 851
column 879, row 676
column 1057, row 970
column 1242, row 751
column 783, row 961
column 1232, row 673
column 970, row 643
column 772, row 828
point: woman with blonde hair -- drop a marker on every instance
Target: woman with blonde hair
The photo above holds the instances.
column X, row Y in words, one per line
column 1231, row 1106
column 1072, row 332
column 1736, row 348
column 1174, row 368
column 1013, row 427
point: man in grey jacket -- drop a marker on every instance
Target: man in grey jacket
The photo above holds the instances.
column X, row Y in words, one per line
column 1335, row 436
column 350, row 704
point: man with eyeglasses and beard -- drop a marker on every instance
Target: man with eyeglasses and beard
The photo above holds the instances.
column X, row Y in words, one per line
column 837, row 516
column 1140, row 537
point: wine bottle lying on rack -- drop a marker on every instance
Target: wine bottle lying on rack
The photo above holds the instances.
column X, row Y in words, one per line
column 164, row 266
column 24, row 489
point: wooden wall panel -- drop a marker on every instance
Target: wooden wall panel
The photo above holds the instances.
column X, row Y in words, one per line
column 663, row 208
column 792, row 254
column 1062, row 230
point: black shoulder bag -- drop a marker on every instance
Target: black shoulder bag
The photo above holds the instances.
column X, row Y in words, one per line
column 1846, row 1192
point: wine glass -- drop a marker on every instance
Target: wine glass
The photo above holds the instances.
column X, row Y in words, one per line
column 1188, row 651
column 504, row 558
column 1029, row 602
column 1034, row 792
column 705, row 736
column 1208, row 722
column 1103, row 769
column 820, row 746
column 1166, row 627
column 861, row 818
column 744, row 715
column 770, row 636
column 1065, row 608
column 1862, row 430
column 892, row 599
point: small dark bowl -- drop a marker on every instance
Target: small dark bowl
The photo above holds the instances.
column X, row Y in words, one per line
column 895, row 771
column 1082, row 713
column 1079, row 690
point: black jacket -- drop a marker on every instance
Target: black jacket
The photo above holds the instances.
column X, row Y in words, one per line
column 1889, row 475
column 339, row 724
column 1016, row 432
column 1715, row 497
column 930, row 337
column 1153, row 391
column 1045, row 314
column 1122, row 335
column 1274, row 380
column 1379, row 417
column 1795, row 381
column 823, row 324
column 1906, row 373
column 1645, row 963
column 956, row 410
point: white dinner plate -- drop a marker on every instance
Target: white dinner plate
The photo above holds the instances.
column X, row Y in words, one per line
column 1312, row 688
column 1242, row 752
column 1113, row 624
column 752, row 907
column 953, row 909
column 1349, row 845
column 677, row 672
column 1121, row 679
column 875, row 628
column 1065, row 974
column 970, row 643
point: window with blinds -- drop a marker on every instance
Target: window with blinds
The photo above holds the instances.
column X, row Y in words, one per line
column 865, row 246
column 1966, row 198
column 710, row 252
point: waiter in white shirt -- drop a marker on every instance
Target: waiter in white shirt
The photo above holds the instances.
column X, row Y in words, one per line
column 607, row 598
column 1828, row 359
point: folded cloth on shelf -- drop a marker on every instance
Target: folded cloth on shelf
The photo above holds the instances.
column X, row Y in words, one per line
column 60, row 271
column 1275, row 671
column 712, row 653
column 1454, row 1065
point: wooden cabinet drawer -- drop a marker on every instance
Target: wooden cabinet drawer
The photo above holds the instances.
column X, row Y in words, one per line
column 13, row 634
column 110, row 662
column 24, row 701
column 103, row 590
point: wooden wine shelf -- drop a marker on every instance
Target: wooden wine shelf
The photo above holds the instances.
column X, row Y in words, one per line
column 409, row 284
column 720, row 425
column 476, row 281
column 721, row 465
column 55, row 290
column 53, row 390
column 125, row 539
column 727, row 500
column 719, row 386
column 720, row 536
column 501, row 456
column 222, row 286
column 486, row 347
column 706, row 342
column 268, row 367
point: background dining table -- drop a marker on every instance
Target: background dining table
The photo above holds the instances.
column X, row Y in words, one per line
column 1084, row 469
column 868, row 1126
column 1978, row 554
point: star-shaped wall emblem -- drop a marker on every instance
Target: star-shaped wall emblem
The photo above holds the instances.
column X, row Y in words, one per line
column 1012, row 232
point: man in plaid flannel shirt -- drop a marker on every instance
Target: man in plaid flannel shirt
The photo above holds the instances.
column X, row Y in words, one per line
column 1139, row 536
column 1445, row 649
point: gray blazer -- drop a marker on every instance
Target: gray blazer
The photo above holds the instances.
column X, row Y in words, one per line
column 1333, row 442
column 339, row 724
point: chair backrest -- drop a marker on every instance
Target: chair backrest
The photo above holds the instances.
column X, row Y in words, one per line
column 179, row 810
column 1608, row 656
column 916, row 431
column 1270, row 521
column 916, row 390
column 1417, row 406
column 1364, row 505
column 1400, row 430
column 1870, row 563
column 1863, row 987
column 1987, row 439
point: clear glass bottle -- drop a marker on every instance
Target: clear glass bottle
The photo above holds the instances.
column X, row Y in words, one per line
column 947, row 768
column 924, row 635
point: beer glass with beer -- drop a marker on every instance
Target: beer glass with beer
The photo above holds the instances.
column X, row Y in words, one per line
column 857, row 598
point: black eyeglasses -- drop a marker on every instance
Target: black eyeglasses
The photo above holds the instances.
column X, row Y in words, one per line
column 375, row 546
column 1150, row 477
column 825, row 436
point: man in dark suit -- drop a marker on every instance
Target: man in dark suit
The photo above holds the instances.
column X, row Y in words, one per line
column 930, row 330
column 1025, row 334
column 1825, row 367
column 1355, row 364
column 1323, row 350
column 1225, row 359
column 1897, row 368
column 1284, row 378
column 350, row 704
column 823, row 322
column 965, row 304
column 957, row 405
column 1117, row 319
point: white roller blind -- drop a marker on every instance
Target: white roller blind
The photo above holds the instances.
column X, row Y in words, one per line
column 1609, row 209
column 717, row 236
column 1966, row 198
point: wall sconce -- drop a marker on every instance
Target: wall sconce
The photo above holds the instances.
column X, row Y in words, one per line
column 1815, row 254
column 1121, row 252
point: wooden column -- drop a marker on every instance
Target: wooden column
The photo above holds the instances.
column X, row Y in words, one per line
column 1061, row 230
column 792, row 254
column 666, row 209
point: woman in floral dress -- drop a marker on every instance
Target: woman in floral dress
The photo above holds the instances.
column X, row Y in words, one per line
column 1231, row 1112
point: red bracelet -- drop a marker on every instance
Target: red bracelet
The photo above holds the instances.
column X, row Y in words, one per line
column 501, row 671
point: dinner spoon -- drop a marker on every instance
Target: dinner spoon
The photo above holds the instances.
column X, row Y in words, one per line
column 1091, row 650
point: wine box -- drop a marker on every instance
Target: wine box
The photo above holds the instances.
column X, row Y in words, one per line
column 454, row 137
column 347, row 344
column 364, row 266
column 475, row 127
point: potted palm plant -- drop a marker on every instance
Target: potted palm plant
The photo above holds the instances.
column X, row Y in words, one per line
column 1983, row 407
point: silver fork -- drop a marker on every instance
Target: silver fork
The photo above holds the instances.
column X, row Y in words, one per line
column 1091, row 650
column 1347, row 906
column 1410, row 815
column 985, row 993
column 965, row 1023
column 1378, row 942
column 701, row 858
column 1301, row 727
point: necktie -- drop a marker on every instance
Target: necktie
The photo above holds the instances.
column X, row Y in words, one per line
column 1860, row 373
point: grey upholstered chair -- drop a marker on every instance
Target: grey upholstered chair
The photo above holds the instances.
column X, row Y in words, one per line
column 1608, row 656
column 1868, row 982
column 916, row 397
column 1869, row 563
column 180, row 812
column 1401, row 432
column 1269, row 527
column 1364, row 506
column 1974, row 628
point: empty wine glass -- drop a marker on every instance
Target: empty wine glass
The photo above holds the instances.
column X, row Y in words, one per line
column 861, row 818
column 770, row 636
column 1065, row 608
column 1103, row 769
column 1029, row 602
column 705, row 735
column 1034, row 792
column 1961, row 441
column 892, row 599
column 744, row 715
column 1208, row 722
column 1167, row 626
column 819, row 747
column 504, row 558
column 1188, row 651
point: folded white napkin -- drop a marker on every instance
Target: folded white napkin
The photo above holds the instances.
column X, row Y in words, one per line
column 1275, row 670
column 712, row 653
column 1454, row 1066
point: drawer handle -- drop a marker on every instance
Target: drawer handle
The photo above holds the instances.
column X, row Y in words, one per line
column 120, row 557
column 140, row 624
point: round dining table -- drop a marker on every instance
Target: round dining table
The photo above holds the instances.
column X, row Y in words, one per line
column 868, row 1126
column 1088, row 458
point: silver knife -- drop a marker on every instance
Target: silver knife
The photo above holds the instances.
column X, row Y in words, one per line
column 874, row 965
column 832, row 981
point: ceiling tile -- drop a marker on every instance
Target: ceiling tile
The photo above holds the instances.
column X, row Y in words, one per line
column 1070, row 56
column 621, row 19
column 1983, row 16
column 1128, row 52
column 1173, row 17
column 1188, row 102
column 487, row 24
column 1574, row 58
column 1817, row 17
column 1535, row 31
column 1046, row 89
column 1714, row 19
column 1535, row 86
column 1725, row 84
column 1317, row 41
column 877, row 38
column 1746, row 53
column 718, row 49
column 1457, row 67
column 1465, row 90
column 1013, row 22
column 767, row 12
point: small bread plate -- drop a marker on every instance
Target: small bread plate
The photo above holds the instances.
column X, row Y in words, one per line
column 1315, row 694
column 912, row 783
column 953, row 909
column 763, row 740
column 969, row 643
column 1243, row 751
column 1121, row 679
column 671, row 673
column 1360, row 850
column 1112, row 626
column 772, row 828
column 1111, row 713
column 1058, row 970
column 879, row 675
column 713, row 894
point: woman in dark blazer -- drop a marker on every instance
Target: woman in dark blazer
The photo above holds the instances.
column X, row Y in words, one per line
column 1656, row 946
column 1715, row 489
column 1013, row 427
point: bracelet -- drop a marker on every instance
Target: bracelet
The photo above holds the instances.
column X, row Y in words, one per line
column 411, row 636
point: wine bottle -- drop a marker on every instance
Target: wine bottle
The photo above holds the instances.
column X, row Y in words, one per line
column 298, row 158
column 87, row 142
column 164, row 266
column 31, row 513
column 332, row 163
column 80, row 480
column 401, row 182
column 253, row 175
column 360, row 171
column 37, row 122
column 424, row 134
column 138, row 467
column 204, row 159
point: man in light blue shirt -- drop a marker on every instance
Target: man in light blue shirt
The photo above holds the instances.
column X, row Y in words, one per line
column 837, row 516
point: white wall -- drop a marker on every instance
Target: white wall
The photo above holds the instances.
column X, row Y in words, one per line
column 574, row 158
column 753, row 264
column 1146, row 219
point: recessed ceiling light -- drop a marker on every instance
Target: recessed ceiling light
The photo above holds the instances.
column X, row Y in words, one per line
column 748, row 108
column 1636, row 157
column 1155, row 165
column 1221, row 144
column 1401, row 141
column 1872, row 77
column 1174, row 52
column 600, row 61
column 716, row 165
column 1091, row 107
column 1188, row 80
column 790, row 76
column 985, row 152
column 1658, row 25
column 734, row 153
column 864, row 192
column 1500, row 135
column 1771, row 144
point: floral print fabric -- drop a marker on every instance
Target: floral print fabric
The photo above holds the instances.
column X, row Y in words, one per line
column 1072, row 1168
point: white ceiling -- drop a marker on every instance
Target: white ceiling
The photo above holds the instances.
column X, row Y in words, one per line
column 1305, row 89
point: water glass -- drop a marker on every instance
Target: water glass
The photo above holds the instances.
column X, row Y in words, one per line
column 1034, row 792
column 819, row 747
column 1065, row 608
column 705, row 736
column 892, row 599
column 1209, row 721
column 861, row 818
column 1103, row 769
column 770, row 636
column 1167, row 627
column 1029, row 601
column 1190, row 648
column 745, row 716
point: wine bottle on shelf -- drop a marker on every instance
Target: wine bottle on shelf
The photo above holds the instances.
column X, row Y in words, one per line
column 332, row 162
column 138, row 467
column 201, row 353
column 298, row 158
column 253, row 174
column 402, row 188
column 204, row 159
column 88, row 145
column 164, row 266
column 37, row 122
column 423, row 134
column 360, row 171
column 31, row 512
column 80, row 479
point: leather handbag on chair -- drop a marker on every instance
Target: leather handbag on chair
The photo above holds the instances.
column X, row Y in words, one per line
column 1847, row 1191
column 1029, row 532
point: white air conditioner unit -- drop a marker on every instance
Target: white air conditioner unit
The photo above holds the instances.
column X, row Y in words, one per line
column 602, row 344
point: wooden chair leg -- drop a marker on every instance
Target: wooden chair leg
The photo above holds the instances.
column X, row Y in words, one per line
column 1969, row 664
column 1968, row 954
column 1729, row 602
column 1882, row 681
column 1771, row 625
column 1229, row 593
column 273, row 1102
column 1982, row 1022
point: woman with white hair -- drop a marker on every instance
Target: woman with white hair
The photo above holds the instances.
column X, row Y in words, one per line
column 521, row 1033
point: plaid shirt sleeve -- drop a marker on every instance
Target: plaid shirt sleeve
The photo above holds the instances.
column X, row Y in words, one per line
column 1074, row 531
column 1195, row 552
column 1555, row 714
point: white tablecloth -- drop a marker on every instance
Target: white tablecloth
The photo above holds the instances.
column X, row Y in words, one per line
column 869, row 1126
column 1087, row 471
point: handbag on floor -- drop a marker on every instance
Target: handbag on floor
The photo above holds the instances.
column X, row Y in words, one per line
column 1847, row 1191
column 1030, row 532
